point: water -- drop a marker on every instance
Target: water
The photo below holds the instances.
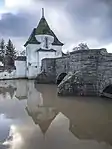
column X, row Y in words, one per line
column 33, row 117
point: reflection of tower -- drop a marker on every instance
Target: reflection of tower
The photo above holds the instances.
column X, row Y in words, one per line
column 43, row 116
column 21, row 92
column 40, row 114
column 34, row 98
column 42, row 43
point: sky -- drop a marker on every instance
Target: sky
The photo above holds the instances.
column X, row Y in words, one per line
column 73, row 21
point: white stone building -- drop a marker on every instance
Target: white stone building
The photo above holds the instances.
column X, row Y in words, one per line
column 41, row 44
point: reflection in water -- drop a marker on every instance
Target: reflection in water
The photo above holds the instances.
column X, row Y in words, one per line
column 14, row 138
column 43, row 117
column 32, row 116
column 6, row 87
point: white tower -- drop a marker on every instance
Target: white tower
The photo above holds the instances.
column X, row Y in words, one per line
column 41, row 44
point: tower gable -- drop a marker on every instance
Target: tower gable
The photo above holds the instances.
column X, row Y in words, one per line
column 42, row 29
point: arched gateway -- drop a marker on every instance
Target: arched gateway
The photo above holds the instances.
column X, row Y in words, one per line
column 107, row 91
column 60, row 78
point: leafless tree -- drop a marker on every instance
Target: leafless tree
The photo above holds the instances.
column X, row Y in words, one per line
column 81, row 46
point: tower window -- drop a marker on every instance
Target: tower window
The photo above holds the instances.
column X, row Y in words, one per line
column 46, row 42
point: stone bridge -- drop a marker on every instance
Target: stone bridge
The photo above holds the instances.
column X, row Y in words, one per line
column 92, row 71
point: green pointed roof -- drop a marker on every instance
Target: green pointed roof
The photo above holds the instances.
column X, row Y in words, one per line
column 42, row 29
column 32, row 39
column 56, row 41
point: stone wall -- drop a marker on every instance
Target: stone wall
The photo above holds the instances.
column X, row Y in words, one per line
column 48, row 71
column 48, row 65
column 85, row 62
column 104, row 72
column 94, row 65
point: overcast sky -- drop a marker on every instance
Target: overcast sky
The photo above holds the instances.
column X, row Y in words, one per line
column 73, row 21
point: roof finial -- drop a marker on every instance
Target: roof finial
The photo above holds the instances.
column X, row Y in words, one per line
column 42, row 12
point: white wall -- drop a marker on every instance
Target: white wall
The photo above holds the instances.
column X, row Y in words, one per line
column 43, row 54
column 32, row 60
column 41, row 38
column 31, row 52
column 58, row 50
column 20, row 69
column 35, row 67
column 32, row 72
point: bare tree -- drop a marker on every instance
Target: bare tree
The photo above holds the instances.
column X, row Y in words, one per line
column 68, row 52
column 81, row 46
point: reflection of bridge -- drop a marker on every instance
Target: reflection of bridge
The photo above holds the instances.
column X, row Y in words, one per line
column 94, row 67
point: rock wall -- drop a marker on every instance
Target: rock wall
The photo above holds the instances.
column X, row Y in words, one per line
column 86, row 63
column 104, row 72
column 94, row 69
column 48, row 73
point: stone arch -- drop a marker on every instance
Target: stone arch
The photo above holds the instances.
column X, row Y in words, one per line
column 108, row 89
column 103, row 83
column 60, row 78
